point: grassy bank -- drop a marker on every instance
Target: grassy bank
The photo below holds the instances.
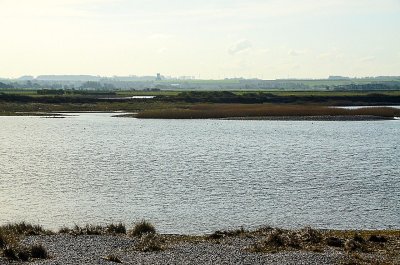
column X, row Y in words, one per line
column 212, row 111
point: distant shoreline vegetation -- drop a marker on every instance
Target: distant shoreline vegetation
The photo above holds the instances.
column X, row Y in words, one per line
column 209, row 111
column 203, row 104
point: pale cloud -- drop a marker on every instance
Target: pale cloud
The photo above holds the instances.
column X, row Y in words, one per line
column 368, row 59
column 240, row 46
column 332, row 54
column 266, row 50
column 296, row 52
column 162, row 50
column 161, row 36
column 146, row 36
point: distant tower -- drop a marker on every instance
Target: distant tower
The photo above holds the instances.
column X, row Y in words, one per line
column 158, row 76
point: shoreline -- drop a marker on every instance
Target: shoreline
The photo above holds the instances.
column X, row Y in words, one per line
column 122, row 114
column 315, row 118
column 265, row 245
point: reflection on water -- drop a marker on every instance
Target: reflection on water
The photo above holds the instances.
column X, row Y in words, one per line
column 193, row 176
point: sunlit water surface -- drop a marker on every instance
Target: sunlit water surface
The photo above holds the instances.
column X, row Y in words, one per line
column 195, row 176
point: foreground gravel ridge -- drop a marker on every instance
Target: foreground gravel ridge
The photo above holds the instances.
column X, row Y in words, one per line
column 92, row 249
column 262, row 246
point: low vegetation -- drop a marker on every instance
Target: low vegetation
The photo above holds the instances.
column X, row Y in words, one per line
column 212, row 111
column 358, row 247
column 113, row 258
column 150, row 243
column 10, row 237
column 89, row 229
column 182, row 104
column 141, row 228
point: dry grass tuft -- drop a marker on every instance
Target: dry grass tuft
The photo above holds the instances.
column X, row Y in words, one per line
column 141, row 228
column 116, row 228
column 150, row 243
column 113, row 258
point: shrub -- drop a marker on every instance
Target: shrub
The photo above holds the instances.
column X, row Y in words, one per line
column 143, row 227
column 23, row 254
column 116, row 228
column 3, row 240
column 149, row 243
column 94, row 230
column 39, row 252
column 23, row 228
column 311, row 235
column 292, row 240
column 358, row 238
column 217, row 235
column 64, row 230
column 377, row 239
column 334, row 242
column 86, row 230
column 10, row 253
column 352, row 245
column 275, row 239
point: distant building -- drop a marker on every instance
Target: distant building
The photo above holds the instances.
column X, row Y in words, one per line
column 158, row 76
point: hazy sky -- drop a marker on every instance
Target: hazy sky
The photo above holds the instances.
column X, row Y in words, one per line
column 202, row 38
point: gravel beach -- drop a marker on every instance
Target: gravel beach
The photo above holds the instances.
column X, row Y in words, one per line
column 222, row 248
column 93, row 249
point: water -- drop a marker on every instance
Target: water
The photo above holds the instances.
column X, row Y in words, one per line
column 195, row 176
column 360, row 107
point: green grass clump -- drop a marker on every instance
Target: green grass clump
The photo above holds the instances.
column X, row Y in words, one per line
column 141, row 228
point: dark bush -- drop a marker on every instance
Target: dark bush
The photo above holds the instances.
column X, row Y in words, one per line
column 275, row 239
column 143, row 227
column 334, row 242
column 23, row 254
column 3, row 241
column 311, row 235
column 10, row 253
column 116, row 228
column 150, row 243
column 358, row 238
column 39, row 252
column 377, row 239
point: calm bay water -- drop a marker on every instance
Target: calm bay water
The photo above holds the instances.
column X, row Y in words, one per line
column 194, row 176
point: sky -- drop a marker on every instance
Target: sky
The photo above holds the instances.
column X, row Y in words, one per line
column 207, row 39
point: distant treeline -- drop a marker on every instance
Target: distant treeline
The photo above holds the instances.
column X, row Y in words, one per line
column 73, row 92
column 57, row 97
column 99, row 83
column 371, row 86
column 49, row 99
column 89, row 85
column 5, row 86
column 253, row 98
